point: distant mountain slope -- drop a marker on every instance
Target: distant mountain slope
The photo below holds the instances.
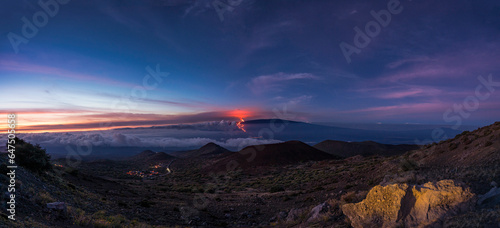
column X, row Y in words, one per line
column 286, row 130
column 272, row 155
column 480, row 147
column 208, row 149
column 367, row 148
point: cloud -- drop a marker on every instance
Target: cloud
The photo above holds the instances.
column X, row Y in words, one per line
column 407, row 91
column 276, row 82
column 23, row 67
column 468, row 61
column 140, row 138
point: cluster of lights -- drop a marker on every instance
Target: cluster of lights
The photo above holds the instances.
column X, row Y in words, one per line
column 142, row 174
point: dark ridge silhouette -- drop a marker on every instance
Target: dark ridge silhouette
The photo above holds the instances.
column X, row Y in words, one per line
column 269, row 121
column 278, row 154
column 148, row 156
column 206, row 150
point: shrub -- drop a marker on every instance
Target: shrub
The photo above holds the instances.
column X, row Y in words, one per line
column 146, row 203
column 407, row 165
column 71, row 171
column 276, row 188
column 32, row 157
column 3, row 169
column 488, row 143
column 453, row 146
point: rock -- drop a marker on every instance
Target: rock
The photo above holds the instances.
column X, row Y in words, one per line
column 60, row 206
column 294, row 214
column 380, row 208
column 282, row 215
column 318, row 210
column 491, row 198
column 409, row 206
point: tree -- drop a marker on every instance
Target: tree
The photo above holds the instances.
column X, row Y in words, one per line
column 32, row 157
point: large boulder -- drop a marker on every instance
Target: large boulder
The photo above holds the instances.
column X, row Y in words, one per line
column 409, row 206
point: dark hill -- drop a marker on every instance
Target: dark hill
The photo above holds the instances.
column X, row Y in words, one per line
column 367, row 148
column 143, row 155
column 206, row 150
column 150, row 156
column 278, row 154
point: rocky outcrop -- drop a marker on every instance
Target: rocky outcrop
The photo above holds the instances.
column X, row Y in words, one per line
column 317, row 211
column 409, row 206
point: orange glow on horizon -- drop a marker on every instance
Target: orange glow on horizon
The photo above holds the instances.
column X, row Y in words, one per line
column 240, row 114
column 72, row 121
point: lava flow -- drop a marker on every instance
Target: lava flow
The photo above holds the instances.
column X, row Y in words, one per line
column 240, row 125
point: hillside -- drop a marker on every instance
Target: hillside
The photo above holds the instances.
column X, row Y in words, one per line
column 208, row 149
column 289, row 184
column 278, row 154
column 367, row 148
column 477, row 148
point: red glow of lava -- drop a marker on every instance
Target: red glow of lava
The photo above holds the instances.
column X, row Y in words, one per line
column 240, row 125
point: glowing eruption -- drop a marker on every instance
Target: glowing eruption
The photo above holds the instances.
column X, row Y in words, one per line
column 240, row 125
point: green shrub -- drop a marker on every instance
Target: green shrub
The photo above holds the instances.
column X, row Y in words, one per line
column 407, row 165
column 276, row 188
column 146, row 203
column 453, row 146
column 71, row 171
column 3, row 169
column 32, row 157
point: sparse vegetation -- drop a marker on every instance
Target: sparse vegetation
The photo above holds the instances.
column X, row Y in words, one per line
column 32, row 157
column 276, row 188
column 240, row 198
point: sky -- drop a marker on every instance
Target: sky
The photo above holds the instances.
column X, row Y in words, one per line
column 88, row 65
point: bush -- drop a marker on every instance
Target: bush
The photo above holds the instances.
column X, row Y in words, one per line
column 488, row 143
column 3, row 169
column 276, row 188
column 408, row 165
column 31, row 157
column 71, row 171
column 453, row 146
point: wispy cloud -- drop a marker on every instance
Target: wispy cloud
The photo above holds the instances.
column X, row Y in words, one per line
column 276, row 82
column 24, row 67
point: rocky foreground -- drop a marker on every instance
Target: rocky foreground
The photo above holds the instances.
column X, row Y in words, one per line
column 448, row 184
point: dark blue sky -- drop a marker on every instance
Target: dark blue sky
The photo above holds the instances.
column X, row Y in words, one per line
column 87, row 63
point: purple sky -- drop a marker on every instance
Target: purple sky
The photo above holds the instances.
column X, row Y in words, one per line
column 99, row 64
